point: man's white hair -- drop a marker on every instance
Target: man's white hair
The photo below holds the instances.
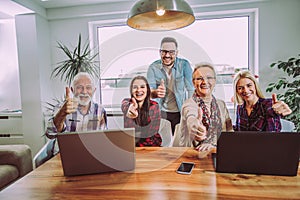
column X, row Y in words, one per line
column 80, row 75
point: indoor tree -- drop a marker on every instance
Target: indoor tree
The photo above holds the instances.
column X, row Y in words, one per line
column 289, row 87
column 79, row 59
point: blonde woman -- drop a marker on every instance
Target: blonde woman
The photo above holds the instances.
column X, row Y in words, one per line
column 254, row 112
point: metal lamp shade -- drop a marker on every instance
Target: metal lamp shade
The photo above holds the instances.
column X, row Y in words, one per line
column 143, row 16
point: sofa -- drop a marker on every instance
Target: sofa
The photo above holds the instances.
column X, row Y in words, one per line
column 15, row 162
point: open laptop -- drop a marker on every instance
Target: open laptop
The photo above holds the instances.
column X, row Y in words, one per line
column 97, row 151
column 267, row 153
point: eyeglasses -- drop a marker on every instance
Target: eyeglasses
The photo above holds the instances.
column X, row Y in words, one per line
column 209, row 78
column 164, row 52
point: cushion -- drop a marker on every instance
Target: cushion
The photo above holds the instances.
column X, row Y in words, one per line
column 18, row 156
column 8, row 173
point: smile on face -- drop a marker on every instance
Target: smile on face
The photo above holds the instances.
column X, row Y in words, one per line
column 168, row 53
column 84, row 90
column 139, row 90
column 246, row 89
column 204, row 81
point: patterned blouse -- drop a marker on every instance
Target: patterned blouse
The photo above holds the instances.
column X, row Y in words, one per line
column 145, row 135
column 262, row 117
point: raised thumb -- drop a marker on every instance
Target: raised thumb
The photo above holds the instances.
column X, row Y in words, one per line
column 274, row 98
column 162, row 82
column 67, row 92
column 134, row 103
column 200, row 114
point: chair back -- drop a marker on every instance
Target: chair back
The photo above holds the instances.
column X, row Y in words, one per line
column 165, row 131
column 176, row 136
column 287, row 126
column 45, row 153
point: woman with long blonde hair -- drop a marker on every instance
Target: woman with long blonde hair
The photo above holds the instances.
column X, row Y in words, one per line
column 254, row 111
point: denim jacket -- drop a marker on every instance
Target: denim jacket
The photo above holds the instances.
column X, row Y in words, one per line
column 182, row 73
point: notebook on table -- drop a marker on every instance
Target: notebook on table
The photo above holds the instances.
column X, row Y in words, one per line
column 97, row 151
column 267, row 153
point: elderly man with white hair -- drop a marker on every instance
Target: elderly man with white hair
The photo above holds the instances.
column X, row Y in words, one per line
column 79, row 113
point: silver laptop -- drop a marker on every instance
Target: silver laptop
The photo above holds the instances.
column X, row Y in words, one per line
column 266, row 153
column 97, row 151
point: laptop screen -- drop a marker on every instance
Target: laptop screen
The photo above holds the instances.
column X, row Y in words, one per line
column 258, row 153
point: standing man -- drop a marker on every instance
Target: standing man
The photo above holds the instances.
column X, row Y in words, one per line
column 79, row 113
column 170, row 79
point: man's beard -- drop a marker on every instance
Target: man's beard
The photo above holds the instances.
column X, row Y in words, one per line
column 84, row 102
column 168, row 65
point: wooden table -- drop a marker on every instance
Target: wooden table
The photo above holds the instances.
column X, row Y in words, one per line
column 154, row 178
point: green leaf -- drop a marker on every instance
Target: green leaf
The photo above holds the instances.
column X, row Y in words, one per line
column 273, row 64
column 269, row 89
column 291, row 59
column 291, row 85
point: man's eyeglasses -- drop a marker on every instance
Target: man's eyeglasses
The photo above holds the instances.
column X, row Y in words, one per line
column 209, row 78
column 164, row 52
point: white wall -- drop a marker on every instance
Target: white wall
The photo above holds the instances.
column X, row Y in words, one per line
column 279, row 36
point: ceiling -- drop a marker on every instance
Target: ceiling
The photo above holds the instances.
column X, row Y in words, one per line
column 10, row 8
column 70, row 3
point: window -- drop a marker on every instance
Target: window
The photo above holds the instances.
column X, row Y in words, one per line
column 125, row 53
column 10, row 96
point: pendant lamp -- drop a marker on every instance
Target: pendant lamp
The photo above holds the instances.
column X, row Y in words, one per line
column 160, row 15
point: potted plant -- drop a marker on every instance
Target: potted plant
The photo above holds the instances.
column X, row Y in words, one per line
column 79, row 59
column 290, row 87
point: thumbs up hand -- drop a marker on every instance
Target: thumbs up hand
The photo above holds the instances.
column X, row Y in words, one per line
column 195, row 127
column 132, row 110
column 280, row 107
column 161, row 89
column 203, row 148
column 70, row 105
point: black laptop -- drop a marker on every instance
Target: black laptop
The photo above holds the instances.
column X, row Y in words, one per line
column 266, row 153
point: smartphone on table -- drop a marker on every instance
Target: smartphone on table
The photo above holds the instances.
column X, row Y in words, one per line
column 185, row 168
